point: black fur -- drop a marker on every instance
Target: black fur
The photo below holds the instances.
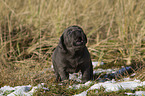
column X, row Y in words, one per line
column 71, row 55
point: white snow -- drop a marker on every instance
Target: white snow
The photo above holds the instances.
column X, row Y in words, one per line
column 77, row 86
column 27, row 90
column 114, row 86
column 137, row 93
column 99, row 70
column 95, row 64
column 75, row 76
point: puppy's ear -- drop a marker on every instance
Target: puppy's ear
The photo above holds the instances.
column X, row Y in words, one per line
column 61, row 43
column 85, row 37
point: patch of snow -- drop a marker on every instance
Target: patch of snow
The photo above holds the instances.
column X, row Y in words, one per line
column 129, row 94
column 107, row 71
column 75, row 76
column 6, row 88
column 125, row 79
column 95, row 64
column 52, row 66
column 114, row 86
column 133, row 74
column 137, row 93
column 27, row 90
column 21, row 90
column 82, row 94
column 77, row 86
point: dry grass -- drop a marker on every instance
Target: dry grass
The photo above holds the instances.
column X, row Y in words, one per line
column 30, row 30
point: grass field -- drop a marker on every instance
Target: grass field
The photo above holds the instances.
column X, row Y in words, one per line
column 30, row 30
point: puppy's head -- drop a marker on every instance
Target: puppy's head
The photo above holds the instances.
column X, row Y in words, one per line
column 73, row 37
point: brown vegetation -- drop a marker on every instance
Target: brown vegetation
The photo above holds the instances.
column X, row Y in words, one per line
column 30, row 30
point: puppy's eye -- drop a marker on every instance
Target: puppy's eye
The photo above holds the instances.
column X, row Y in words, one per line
column 70, row 31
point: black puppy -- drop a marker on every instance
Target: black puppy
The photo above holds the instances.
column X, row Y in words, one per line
column 71, row 55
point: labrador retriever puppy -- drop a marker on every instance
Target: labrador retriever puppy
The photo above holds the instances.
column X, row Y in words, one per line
column 71, row 55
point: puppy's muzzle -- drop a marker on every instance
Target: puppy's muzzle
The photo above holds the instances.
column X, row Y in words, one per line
column 79, row 41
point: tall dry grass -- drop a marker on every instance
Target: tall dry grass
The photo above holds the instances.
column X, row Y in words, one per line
column 30, row 30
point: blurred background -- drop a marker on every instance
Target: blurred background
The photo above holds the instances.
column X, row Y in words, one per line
column 30, row 30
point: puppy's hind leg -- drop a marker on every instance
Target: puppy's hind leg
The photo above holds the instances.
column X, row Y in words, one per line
column 87, row 73
column 57, row 77
column 63, row 74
